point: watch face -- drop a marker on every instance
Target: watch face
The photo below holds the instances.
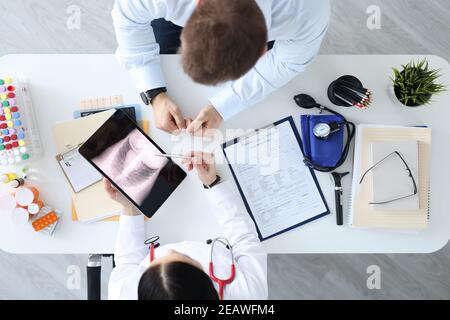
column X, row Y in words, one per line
column 322, row 130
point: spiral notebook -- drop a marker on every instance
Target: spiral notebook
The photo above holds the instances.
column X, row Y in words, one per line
column 364, row 215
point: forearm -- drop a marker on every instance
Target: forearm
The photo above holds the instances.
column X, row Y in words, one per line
column 240, row 230
column 235, row 222
column 130, row 247
column 270, row 74
column 130, row 210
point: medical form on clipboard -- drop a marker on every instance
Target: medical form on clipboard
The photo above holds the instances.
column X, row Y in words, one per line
column 279, row 191
column 78, row 171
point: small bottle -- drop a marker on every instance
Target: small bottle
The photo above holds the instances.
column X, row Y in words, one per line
column 16, row 183
column 7, row 177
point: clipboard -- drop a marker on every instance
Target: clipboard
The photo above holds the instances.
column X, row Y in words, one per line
column 79, row 173
column 288, row 126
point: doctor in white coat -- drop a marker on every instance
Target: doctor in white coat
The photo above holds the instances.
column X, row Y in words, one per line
column 182, row 270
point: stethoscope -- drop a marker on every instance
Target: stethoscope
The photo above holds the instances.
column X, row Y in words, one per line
column 153, row 243
column 221, row 282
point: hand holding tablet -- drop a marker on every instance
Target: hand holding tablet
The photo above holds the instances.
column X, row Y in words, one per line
column 126, row 156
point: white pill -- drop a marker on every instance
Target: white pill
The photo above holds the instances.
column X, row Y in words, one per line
column 33, row 209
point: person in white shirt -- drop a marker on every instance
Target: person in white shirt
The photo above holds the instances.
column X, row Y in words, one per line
column 181, row 271
column 223, row 42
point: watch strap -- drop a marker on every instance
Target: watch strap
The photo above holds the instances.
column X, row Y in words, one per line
column 149, row 95
column 216, row 182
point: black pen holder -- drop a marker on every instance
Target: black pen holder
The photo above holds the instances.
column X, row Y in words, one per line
column 332, row 90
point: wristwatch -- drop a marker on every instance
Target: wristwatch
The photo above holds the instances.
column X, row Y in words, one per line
column 149, row 95
column 216, row 182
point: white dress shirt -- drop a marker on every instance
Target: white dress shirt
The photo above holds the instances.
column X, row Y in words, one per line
column 297, row 26
column 132, row 258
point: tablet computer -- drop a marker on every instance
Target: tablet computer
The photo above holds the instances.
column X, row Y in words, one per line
column 125, row 155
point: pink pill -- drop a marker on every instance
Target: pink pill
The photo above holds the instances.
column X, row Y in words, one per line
column 12, row 102
column 12, row 131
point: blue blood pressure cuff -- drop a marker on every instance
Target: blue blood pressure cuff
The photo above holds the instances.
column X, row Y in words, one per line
column 323, row 152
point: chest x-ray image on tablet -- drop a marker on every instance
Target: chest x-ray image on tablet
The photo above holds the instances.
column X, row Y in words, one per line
column 125, row 155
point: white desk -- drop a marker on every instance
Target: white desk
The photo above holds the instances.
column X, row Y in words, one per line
column 59, row 82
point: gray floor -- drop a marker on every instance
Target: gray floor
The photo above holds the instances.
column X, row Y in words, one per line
column 407, row 27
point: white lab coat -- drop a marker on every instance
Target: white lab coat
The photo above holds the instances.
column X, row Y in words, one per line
column 297, row 26
column 132, row 256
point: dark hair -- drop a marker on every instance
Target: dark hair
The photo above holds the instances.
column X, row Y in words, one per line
column 176, row 281
column 223, row 40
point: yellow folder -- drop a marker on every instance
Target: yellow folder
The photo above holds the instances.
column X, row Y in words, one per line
column 93, row 203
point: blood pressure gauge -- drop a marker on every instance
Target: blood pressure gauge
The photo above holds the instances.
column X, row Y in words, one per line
column 323, row 130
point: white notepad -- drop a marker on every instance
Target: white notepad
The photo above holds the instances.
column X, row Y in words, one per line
column 390, row 178
column 364, row 215
column 279, row 190
column 80, row 173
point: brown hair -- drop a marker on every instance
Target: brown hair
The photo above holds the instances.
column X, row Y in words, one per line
column 176, row 281
column 223, row 40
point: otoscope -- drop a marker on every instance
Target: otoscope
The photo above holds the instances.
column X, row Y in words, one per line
column 338, row 191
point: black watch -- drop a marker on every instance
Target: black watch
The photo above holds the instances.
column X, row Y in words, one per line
column 216, row 182
column 149, row 95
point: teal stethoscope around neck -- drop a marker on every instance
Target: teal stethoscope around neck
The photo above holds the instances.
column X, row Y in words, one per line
column 153, row 243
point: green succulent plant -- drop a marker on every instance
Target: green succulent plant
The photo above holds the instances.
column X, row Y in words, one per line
column 416, row 83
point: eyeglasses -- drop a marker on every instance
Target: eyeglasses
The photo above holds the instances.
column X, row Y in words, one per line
column 395, row 153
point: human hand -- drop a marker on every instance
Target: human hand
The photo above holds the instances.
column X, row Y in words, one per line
column 114, row 194
column 167, row 114
column 209, row 118
column 205, row 165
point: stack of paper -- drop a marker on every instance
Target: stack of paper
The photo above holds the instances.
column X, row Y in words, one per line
column 371, row 144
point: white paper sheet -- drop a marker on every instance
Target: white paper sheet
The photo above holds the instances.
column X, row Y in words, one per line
column 279, row 188
column 80, row 173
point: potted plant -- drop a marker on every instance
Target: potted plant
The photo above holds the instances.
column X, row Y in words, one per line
column 415, row 85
